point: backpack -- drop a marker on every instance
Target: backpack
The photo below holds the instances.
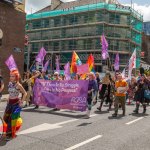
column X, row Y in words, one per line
column 147, row 94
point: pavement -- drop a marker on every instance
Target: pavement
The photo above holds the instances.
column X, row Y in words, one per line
column 44, row 129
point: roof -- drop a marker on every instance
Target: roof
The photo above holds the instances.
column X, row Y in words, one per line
column 65, row 5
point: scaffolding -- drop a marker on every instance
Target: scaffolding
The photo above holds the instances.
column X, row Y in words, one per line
column 79, row 28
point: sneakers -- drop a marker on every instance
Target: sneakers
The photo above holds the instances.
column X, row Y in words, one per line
column 36, row 107
column 114, row 115
column 136, row 111
column 144, row 111
column 99, row 109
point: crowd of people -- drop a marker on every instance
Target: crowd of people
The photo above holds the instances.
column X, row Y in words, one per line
column 113, row 90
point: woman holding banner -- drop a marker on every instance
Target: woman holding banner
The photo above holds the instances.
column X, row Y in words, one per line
column 92, row 91
column 12, row 113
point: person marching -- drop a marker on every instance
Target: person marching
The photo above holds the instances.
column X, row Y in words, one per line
column 92, row 89
column 12, row 112
column 142, row 85
column 121, row 87
column 56, row 78
column 26, row 83
column 105, row 91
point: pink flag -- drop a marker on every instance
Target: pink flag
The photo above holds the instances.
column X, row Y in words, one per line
column 41, row 55
column 116, row 65
column 104, row 47
column 45, row 66
column 11, row 64
column 67, row 71
column 57, row 64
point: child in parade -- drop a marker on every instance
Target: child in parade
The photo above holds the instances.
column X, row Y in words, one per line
column 13, row 108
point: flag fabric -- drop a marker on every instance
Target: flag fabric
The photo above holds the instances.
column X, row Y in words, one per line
column 67, row 71
column 125, row 72
column 116, row 65
column 104, row 47
column 41, row 55
column 75, row 61
column 45, row 66
column 132, row 64
column 57, row 64
column 11, row 64
column 90, row 62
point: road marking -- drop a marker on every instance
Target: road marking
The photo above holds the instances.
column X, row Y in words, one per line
column 42, row 127
column 47, row 126
column 134, row 121
column 85, row 142
column 1, row 111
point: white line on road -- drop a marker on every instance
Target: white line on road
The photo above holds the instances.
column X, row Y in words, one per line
column 134, row 121
column 47, row 126
column 83, row 143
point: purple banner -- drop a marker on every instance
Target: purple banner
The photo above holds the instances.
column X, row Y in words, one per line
column 68, row 94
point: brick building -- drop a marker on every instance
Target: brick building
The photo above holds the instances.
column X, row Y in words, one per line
column 12, row 25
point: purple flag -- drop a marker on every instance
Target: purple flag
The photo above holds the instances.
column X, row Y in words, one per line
column 67, row 71
column 116, row 65
column 45, row 66
column 104, row 47
column 41, row 55
column 71, row 94
column 10, row 62
column 57, row 64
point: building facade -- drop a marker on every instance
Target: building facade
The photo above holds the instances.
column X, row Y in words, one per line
column 78, row 26
column 146, row 28
column 146, row 48
column 12, row 24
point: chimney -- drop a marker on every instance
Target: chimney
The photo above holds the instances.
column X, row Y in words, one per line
column 55, row 4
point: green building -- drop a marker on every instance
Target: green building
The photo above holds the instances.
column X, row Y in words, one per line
column 77, row 26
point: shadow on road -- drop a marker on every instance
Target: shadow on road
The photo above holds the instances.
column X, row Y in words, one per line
column 118, row 117
column 139, row 114
column 101, row 112
column 84, row 124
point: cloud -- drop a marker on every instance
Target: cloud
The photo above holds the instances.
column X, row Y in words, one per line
column 142, row 9
column 35, row 5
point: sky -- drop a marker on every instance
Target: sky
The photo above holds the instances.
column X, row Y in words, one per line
column 142, row 6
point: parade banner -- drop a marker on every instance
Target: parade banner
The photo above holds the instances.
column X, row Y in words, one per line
column 68, row 94
column 83, row 69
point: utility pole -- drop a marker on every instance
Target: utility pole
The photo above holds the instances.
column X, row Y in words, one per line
column 28, row 58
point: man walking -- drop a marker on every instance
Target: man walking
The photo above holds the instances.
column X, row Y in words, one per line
column 121, row 87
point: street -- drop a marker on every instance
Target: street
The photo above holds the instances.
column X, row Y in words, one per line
column 44, row 129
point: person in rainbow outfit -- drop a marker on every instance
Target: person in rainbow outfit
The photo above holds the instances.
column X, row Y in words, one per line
column 12, row 112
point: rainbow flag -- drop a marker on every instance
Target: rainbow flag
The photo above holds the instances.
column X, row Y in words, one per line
column 16, row 121
column 75, row 61
column 90, row 62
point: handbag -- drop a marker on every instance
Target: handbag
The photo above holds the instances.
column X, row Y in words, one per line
column 147, row 94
